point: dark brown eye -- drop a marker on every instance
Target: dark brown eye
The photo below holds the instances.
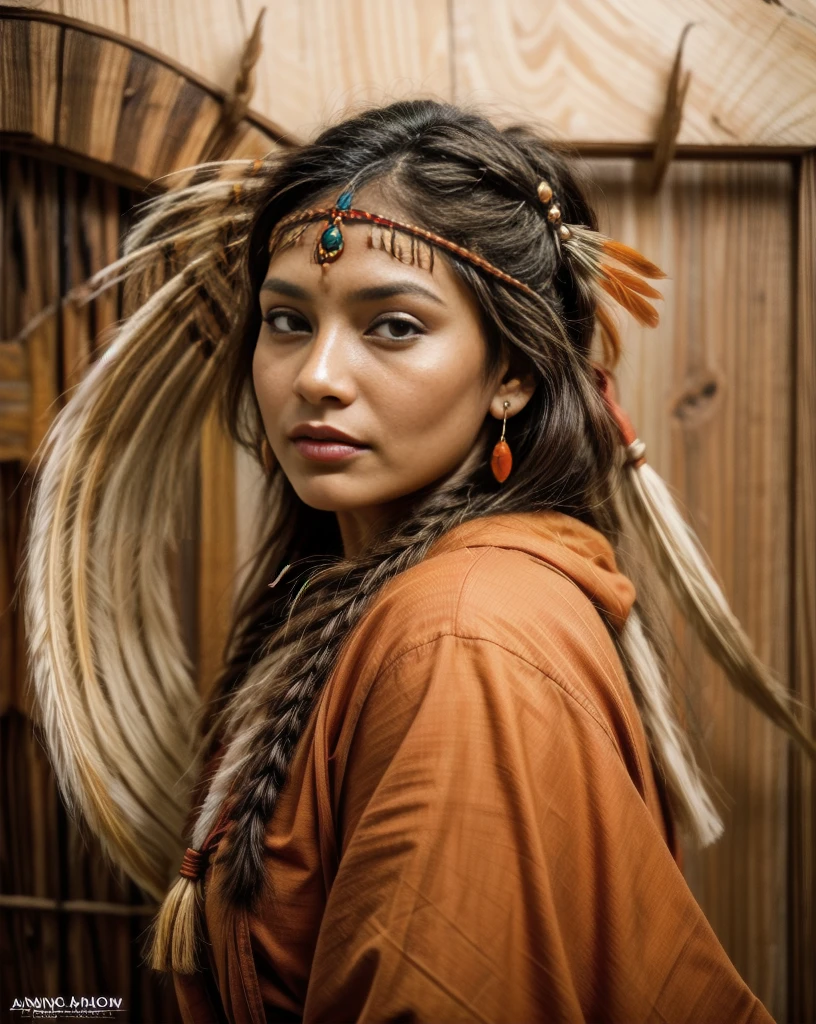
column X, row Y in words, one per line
column 272, row 318
column 404, row 328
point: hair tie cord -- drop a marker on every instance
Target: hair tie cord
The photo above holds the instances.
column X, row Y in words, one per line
column 194, row 862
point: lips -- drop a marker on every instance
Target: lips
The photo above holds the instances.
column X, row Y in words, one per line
column 323, row 432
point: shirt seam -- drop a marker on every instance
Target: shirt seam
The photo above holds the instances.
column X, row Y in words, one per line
column 586, row 704
column 484, row 549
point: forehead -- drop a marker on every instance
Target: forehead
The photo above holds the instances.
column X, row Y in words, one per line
column 371, row 252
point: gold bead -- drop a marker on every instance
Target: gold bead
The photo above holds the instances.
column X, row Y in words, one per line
column 564, row 232
column 553, row 214
column 545, row 193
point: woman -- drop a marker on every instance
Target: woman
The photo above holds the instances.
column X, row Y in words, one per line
column 440, row 777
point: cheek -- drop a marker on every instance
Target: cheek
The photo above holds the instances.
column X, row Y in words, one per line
column 267, row 379
column 436, row 406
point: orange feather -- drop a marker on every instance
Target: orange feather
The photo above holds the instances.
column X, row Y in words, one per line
column 633, row 281
column 643, row 311
column 632, row 258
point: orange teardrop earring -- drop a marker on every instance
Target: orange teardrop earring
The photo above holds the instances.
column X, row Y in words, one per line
column 502, row 460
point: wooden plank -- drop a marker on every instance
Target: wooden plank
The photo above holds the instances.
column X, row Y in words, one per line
column 55, row 18
column 15, row 402
column 43, row 343
column 217, row 549
column 123, row 111
column 30, row 281
column 110, row 14
column 206, row 37
column 709, row 393
column 76, row 320
column 102, row 236
column 28, row 77
column 9, row 478
column 597, row 72
column 93, row 81
column 802, row 981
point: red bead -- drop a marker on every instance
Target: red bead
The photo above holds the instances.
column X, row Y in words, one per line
column 502, row 461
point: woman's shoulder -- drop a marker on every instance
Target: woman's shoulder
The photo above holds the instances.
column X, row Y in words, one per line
column 501, row 595
column 500, row 602
column 491, row 625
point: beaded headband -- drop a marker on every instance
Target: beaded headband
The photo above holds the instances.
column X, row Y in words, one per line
column 588, row 250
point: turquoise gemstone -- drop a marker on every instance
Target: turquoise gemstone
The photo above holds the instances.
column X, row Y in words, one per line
column 331, row 238
column 344, row 202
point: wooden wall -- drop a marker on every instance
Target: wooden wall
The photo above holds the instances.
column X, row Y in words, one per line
column 595, row 70
column 722, row 392
column 711, row 393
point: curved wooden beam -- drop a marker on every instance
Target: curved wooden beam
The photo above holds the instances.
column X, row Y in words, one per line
column 106, row 104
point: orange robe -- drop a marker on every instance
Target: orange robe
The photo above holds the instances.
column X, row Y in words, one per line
column 471, row 829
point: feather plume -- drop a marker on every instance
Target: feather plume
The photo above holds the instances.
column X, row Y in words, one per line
column 643, row 311
column 631, row 258
column 115, row 689
column 633, row 281
column 588, row 252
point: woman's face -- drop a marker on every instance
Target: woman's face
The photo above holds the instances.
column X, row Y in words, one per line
column 387, row 352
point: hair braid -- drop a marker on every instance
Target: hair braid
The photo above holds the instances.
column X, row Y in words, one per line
column 330, row 604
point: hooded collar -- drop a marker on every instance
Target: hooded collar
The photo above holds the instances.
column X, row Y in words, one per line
column 566, row 544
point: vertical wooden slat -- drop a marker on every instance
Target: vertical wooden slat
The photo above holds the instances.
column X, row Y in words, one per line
column 709, row 394
column 217, row 549
column 91, row 99
column 76, row 320
column 29, row 77
column 43, row 343
column 802, row 844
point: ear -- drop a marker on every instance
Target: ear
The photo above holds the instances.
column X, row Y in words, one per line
column 517, row 390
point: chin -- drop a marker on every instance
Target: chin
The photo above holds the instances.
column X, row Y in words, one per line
column 336, row 493
column 331, row 494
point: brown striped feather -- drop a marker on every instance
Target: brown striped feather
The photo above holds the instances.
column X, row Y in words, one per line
column 643, row 311
column 632, row 258
column 633, row 281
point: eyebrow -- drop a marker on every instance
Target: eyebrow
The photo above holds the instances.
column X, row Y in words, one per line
column 380, row 291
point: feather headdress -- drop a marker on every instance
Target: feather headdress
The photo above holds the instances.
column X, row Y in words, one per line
column 95, row 561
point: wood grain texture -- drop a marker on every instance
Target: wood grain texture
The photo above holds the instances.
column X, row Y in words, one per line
column 803, row 661
column 709, row 392
column 597, row 72
column 29, row 281
column 217, row 549
column 106, row 104
column 593, row 71
column 320, row 58
column 28, row 77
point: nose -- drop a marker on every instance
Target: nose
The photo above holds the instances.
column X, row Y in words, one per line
column 326, row 371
